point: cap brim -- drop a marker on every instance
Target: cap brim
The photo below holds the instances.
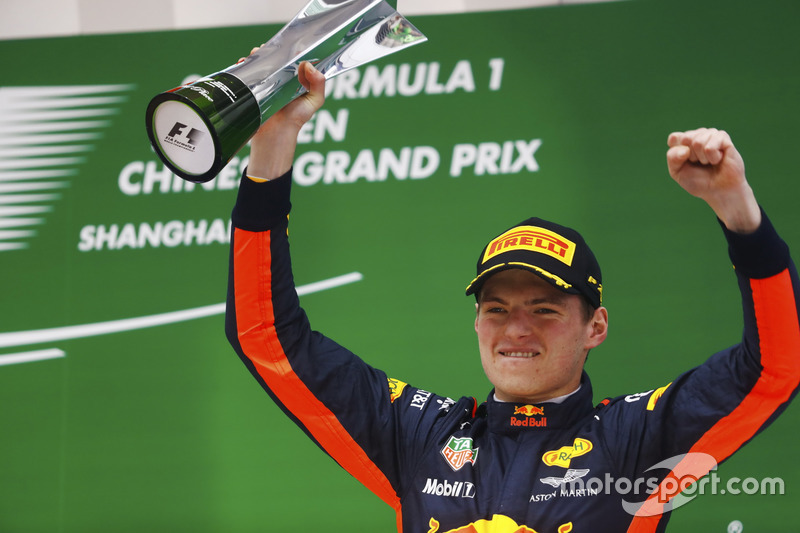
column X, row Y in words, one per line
column 475, row 285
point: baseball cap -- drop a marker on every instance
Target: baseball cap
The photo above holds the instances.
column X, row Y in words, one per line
column 557, row 254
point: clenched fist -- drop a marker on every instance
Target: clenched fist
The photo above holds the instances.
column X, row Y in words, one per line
column 707, row 165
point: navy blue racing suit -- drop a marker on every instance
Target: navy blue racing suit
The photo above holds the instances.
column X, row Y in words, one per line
column 449, row 465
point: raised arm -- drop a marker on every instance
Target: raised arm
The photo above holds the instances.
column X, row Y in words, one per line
column 365, row 421
column 712, row 410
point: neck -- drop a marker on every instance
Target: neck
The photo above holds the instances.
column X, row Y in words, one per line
column 557, row 399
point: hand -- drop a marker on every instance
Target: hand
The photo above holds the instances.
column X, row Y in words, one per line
column 301, row 109
column 707, row 165
column 273, row 146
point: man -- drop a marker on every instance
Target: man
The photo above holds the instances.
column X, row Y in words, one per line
column 521, row 460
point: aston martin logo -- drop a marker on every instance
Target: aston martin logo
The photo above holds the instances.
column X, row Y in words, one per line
column 571, row 475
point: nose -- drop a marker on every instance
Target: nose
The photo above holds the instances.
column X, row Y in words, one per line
column 519, row 324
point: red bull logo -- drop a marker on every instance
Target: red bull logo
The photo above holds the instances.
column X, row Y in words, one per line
column 528, row 410
column 528, row 422
column 534, row 239
column 497, row 524
column 459, row 451
column 564, row 455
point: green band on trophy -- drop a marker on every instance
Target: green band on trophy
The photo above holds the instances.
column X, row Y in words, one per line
column 198, row 128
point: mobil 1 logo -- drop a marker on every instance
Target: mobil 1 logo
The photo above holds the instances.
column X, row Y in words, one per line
column 452, row 489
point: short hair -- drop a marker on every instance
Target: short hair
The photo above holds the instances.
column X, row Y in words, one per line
column 588, row 308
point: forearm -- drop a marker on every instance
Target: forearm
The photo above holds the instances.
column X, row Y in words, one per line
column 769, row 286
column 273, row 150
column 260, row 209
column 273, row 147
column 771, row 306
column 738, row 210
column 757, row 254
column 262, row 206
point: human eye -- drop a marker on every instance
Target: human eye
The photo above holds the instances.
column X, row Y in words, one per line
column 492, row 308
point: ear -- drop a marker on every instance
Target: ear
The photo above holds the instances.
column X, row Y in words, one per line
column 476, row 317
column 598, row 328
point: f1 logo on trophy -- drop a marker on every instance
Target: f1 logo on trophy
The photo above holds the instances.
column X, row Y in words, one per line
column 196, row 129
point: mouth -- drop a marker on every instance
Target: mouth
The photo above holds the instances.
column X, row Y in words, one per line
column 521, row 355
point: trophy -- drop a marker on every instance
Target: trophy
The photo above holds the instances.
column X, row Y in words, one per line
column 197, row 128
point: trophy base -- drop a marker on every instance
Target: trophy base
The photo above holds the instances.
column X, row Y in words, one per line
column 196, row 129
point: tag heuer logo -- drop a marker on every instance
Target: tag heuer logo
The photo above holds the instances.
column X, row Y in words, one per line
column 457, row 452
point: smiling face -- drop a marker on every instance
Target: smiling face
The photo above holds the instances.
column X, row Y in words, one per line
column 534, row 338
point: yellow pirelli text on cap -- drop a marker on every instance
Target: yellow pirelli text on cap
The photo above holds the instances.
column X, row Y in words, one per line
column 534, row 239
column 599, row 287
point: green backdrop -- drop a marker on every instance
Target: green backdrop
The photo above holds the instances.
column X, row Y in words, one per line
column 115, row 424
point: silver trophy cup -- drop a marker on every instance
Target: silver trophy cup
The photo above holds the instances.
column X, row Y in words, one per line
column 196, row 129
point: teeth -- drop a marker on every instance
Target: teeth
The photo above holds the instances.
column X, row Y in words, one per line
column 518, row 354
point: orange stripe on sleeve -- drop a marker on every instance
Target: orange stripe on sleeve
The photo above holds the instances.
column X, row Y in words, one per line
column 779, row 343
column 259, row 341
